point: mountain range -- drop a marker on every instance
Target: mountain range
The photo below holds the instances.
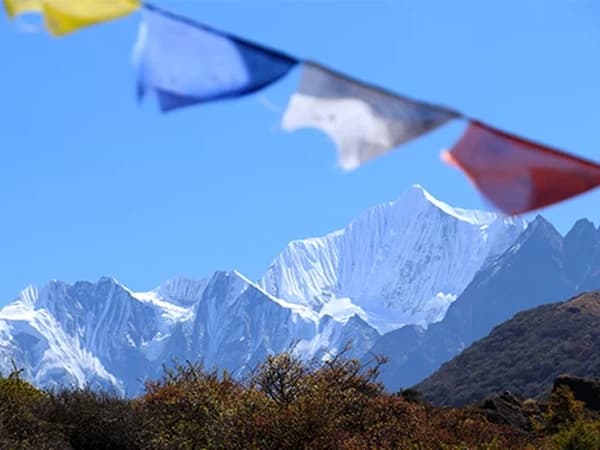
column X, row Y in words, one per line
column 399, row 280
column 540, row 267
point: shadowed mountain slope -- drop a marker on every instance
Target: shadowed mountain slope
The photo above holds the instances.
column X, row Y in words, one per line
column 524, row 355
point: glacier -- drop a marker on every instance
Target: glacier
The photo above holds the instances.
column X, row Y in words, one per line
column 402, row 262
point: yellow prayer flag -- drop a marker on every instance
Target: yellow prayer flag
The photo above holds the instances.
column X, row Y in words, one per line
column 16, row 7
column 65, row 16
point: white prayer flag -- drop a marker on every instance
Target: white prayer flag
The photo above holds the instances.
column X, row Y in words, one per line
column 362, row 120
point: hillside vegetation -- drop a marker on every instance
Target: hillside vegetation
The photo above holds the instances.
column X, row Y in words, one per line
column 285, row 404
column 524, row 354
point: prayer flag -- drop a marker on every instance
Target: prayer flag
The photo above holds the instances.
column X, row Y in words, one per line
column 187, row 63
column 362, row 120
column 66, row 16
column 517, row 175
column 16, row 7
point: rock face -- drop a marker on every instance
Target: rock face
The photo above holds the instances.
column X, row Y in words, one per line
column 525, row 354
column 400, row 263
column 510, row 409
column 540, row 267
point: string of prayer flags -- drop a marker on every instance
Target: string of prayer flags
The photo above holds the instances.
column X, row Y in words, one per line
column 16, row 7
column 187, row 63
column 364, row 121
column 65, row 16
column 518, row 175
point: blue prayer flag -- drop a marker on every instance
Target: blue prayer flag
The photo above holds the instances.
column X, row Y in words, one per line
column 187, row 63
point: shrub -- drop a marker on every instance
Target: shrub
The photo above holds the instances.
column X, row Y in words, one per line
column 578, row 436
column 286, row 403
column 94, row 420
column 563, row 409
column 20, row 428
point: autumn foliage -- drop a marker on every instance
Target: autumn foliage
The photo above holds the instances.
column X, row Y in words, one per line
column 285, row 403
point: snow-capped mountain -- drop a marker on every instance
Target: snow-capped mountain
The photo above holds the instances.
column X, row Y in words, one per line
column 400, row 263
column 105, row 335
column 540, row 267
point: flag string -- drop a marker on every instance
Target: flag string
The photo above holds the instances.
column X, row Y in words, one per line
column 185, row 62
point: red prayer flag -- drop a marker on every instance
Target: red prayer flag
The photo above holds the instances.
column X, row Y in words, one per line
column 518, row 175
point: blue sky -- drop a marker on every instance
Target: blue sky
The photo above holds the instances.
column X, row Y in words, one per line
column 92, row 184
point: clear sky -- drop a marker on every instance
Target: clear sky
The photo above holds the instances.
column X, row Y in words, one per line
column 92, row 184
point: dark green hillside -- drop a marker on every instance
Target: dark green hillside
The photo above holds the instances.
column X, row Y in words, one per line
column 524, row 354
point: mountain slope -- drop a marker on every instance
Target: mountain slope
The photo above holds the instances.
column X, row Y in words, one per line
column 538, row 268
column 399, row 263
column 524, row 354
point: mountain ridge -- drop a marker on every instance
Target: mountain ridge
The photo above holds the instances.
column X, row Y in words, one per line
column 116, row 337
column 407, row 251
column 536, row 269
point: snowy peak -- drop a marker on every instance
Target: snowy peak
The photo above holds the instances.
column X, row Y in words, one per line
column 225, row 286
column 583, row 229
column 419, row 196
column 402, row 262
column 182, row 291
column 84, row 298
column 26, row 298
column 539, row 232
